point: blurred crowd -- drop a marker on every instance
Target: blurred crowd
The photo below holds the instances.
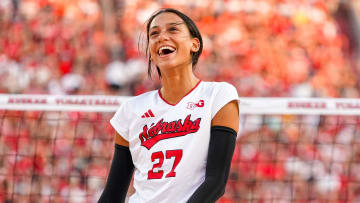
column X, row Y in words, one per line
column 296, row 159
column 266, row 48
column 54, row 157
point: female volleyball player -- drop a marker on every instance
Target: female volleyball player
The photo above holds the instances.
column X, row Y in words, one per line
column 179, row 139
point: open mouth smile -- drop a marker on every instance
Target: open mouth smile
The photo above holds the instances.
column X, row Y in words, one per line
column 166, row 50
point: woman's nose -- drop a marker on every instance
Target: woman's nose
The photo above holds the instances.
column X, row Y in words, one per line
column 163, row 36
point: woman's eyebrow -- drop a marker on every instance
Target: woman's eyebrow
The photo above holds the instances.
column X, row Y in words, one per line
column 175, row 23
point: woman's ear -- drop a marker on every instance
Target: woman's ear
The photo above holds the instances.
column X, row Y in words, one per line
column 195, row 44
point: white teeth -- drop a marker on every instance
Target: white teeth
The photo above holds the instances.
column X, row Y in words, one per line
column 165, row 47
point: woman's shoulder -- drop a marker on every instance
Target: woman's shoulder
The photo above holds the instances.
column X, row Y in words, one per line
column 141, row 98
column 134, row 105
column 218, row 85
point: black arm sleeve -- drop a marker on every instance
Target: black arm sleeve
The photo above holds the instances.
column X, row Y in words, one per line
column 119, row 178
column 221, row 149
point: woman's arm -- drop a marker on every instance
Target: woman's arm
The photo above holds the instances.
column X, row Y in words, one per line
column 221, row 148
column 120, row 174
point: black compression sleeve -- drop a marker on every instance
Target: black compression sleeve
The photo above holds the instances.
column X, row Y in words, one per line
column 221, row 149
column 119, row 176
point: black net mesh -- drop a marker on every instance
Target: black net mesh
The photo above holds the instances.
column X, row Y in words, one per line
column 65, row 157
column 288, row 158
column 54, row 156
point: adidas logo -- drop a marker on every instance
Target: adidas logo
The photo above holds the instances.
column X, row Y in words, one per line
column 148, row 114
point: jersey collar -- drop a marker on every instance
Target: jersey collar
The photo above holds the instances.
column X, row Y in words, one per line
column 159, row 92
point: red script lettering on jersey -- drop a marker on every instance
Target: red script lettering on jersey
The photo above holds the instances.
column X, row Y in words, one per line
column 165, row 130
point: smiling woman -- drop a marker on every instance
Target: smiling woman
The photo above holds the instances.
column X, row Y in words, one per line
column 178, row 26
column 178, row 139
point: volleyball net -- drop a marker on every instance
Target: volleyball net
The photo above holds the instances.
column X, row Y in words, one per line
column 59, row 148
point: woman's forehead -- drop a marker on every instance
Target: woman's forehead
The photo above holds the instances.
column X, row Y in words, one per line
column 166, row 18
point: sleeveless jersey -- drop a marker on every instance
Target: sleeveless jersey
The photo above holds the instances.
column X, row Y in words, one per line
column 169, row 143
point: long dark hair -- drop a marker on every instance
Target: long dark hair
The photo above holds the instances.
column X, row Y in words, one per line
column 194, row 32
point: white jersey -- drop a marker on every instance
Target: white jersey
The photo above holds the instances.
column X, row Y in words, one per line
column 169, row 143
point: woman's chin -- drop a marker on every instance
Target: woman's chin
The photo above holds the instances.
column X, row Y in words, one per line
column 167, row 65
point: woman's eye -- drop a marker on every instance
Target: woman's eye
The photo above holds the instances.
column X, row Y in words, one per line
column 172, row 29
column 153, row 33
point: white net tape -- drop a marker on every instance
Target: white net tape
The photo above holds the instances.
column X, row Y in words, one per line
column 102, row 103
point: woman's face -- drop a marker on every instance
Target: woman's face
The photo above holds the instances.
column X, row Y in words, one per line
column 170, row 43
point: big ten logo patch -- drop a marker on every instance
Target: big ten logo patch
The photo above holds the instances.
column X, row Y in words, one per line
column 192, row 105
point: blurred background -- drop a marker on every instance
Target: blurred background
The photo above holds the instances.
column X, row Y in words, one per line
column 266, row 48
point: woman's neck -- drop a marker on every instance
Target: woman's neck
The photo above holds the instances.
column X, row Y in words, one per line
column 176, row 86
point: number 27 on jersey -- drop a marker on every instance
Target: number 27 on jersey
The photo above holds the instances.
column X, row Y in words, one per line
column 158, row 159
